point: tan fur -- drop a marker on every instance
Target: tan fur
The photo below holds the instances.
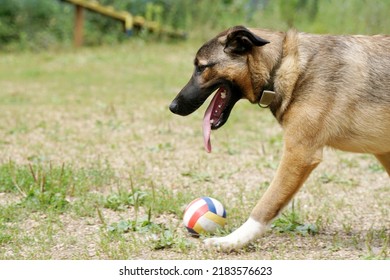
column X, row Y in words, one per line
column 330, row 91
column 312, row 117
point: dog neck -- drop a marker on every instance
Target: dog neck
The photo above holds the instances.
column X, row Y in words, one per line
column 267, row 96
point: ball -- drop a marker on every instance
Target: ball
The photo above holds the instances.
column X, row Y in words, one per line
column 204, row 215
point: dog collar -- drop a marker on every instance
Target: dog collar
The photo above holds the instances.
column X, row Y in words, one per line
column 266, row 98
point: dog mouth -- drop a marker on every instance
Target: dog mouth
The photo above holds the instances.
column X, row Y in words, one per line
column 217, row 113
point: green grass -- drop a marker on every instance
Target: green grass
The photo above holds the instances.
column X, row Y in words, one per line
column 290, row 221
column 94, row 166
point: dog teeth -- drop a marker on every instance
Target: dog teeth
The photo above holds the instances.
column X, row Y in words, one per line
column 211, row 121
column 223, row 94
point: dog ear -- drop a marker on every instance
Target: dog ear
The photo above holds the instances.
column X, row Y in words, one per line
column 240, row 40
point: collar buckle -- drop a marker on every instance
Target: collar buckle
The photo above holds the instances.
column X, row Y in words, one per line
column 266, row 98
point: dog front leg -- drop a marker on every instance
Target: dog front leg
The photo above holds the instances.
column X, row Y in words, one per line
column 297, row 163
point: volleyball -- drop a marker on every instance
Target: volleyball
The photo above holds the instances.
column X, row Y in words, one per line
column 204, row 215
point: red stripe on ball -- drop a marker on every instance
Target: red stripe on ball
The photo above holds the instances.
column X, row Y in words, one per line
column 197, row 214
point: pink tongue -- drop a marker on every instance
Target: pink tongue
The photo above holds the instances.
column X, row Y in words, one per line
column 207, row 124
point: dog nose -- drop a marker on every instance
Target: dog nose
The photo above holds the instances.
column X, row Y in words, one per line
column 174, row 107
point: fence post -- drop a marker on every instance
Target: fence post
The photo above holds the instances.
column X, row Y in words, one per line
column 78, row 26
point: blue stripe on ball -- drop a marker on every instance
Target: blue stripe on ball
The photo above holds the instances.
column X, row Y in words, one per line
column 210, row 204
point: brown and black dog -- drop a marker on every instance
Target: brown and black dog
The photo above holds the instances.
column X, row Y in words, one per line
column 324, row 90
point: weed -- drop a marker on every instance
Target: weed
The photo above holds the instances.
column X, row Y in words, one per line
column 377, row 244
column 197, row 176
column 41, row 188
column 327, row 178
column 169, row 239
column 375, row 167
column 162, row 237
column 86, row 205
column 143, row 226
column 5, row 238
column 123, row 199
column 45, row 186
column 165, row 240
column 290, row 222
column 347, row 228
column 337, row 243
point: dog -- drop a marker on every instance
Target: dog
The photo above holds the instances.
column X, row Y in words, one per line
column 324, row 90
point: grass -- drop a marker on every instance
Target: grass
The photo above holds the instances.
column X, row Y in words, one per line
column 94, row 166
column 290, row 221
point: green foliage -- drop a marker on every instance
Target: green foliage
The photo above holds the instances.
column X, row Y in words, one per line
column 169, row 239
column 5, row 238
column 375, row 167
column 289, row 221
column 142, row 226
column 46, row 187
column 122, row 199
column 292, row 10
column 40, row 188
column 43, row 24
column 164, row 238
column 43, row 186
column 33, row 24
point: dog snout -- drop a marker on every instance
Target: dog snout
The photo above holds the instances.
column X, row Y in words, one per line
column 180, row 107
column 190, row 98
column 174, row 107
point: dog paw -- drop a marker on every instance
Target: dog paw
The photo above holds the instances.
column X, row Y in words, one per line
column 245, row 234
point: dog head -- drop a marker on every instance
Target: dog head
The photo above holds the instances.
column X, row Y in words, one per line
column 221, row 64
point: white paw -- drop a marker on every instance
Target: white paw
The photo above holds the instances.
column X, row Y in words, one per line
column 245, row 234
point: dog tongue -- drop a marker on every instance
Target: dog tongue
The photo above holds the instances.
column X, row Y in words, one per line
column 207, row 123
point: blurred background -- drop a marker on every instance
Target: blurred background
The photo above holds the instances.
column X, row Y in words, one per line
column 48, row 24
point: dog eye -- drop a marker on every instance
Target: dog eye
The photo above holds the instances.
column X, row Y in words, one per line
column 200, row 68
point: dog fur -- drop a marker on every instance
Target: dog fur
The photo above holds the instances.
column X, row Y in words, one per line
column 329, row 91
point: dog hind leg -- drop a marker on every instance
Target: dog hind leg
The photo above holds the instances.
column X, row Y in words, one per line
column 297, row 163
column 384, row 159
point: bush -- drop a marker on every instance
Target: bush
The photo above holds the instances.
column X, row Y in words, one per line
column 42, row 24
column 33, row 24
